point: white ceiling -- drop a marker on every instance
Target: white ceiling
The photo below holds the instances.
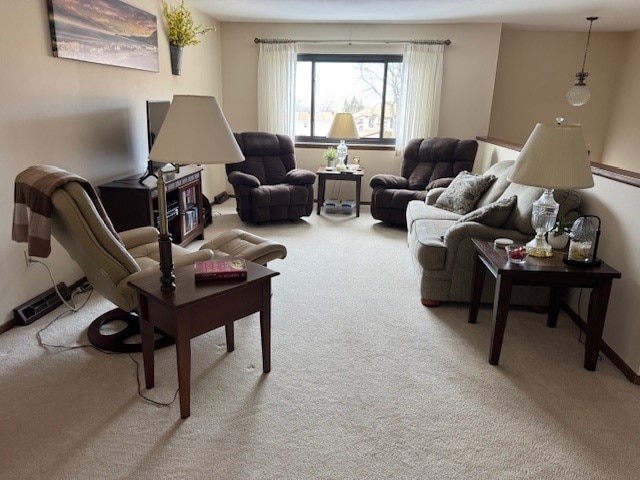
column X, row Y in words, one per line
column 615, row 15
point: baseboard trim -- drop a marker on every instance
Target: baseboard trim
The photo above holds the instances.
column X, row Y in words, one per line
column 626, row 370
column 8, row 325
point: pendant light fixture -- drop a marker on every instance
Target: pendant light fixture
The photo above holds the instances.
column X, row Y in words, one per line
column 579, row 94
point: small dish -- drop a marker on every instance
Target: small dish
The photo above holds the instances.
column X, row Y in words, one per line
column 517, row 253
column 502, row 242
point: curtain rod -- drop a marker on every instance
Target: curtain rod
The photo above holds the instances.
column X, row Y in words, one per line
column 351, row 42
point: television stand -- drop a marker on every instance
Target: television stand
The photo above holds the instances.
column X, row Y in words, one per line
column 131, row 204
column 148, row 173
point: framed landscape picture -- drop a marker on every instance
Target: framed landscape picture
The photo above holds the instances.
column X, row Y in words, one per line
column 104, row 31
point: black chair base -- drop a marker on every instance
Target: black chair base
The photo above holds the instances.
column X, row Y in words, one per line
column 117, row 342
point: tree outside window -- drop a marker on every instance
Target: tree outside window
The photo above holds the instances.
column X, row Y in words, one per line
column 368, row 86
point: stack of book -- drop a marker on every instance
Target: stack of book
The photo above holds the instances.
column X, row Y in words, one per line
column 221, row 269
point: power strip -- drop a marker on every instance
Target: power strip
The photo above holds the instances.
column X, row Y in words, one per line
column 221, row 197
column 39, row 306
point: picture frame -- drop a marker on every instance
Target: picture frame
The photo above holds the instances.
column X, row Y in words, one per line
column 109, row 32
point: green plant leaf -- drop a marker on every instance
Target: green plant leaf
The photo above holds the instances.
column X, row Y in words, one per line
column 180, row 27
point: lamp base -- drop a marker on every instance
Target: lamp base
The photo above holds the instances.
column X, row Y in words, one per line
column 538, row 247
column 543, row 216
column 168, row 279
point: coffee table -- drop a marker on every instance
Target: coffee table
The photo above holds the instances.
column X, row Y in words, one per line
column 552, row 272
column 349, row 175
column 193, row 309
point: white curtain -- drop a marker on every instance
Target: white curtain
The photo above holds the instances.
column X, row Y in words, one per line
column 277, row 88
column 420, row 99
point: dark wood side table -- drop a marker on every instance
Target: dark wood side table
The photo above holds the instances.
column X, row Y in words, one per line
column 552, row 272
column 324, row 175
column 193, row 309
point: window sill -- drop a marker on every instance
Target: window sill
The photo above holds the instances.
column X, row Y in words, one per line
column 350, row 145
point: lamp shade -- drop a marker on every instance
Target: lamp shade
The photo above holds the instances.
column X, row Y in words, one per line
column 554, row 156
column 343, row 127
column 195, row 132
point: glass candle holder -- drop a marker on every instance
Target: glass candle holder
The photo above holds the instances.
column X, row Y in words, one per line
column 580, row 251
column 517, row 253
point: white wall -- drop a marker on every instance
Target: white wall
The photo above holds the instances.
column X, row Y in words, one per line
column 622, row 145
column 87, row 118
column 469, row 72
column 615, row 204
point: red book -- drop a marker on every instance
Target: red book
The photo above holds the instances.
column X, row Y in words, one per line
column 221, row 269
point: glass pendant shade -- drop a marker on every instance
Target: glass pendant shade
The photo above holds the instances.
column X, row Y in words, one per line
column 578, row 95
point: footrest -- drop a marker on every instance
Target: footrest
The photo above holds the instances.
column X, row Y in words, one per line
column 239, row 243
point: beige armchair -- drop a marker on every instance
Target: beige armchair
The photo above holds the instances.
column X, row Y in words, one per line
column 109, row 262
column 49, row 200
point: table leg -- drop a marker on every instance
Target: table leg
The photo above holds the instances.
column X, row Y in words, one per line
column 501, row 301
column 183, row 357
column 147, row 340
column 321, row 185
column 598, row 302
column 476, row 290
column 555, row 297
column 228, row 330
column 265, row 326
column 358, row 188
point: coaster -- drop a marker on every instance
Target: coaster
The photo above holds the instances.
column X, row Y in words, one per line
column 502, row 242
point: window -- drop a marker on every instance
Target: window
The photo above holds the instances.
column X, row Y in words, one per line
column 368, row 86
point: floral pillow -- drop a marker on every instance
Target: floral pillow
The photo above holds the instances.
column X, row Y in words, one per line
column 493, row 214
column 464, row 192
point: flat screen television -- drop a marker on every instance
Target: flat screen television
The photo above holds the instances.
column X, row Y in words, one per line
column 156, row 113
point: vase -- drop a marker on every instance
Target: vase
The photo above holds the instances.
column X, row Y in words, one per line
column 557, row 242
column 176, row 59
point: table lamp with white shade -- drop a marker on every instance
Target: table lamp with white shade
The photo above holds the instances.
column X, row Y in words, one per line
column 194, row 131
column 554, row 156
column 344, row 128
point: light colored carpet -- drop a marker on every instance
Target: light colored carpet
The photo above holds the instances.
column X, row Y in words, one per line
column 366, row 384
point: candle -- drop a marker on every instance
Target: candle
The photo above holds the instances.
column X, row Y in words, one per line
column 580, row 251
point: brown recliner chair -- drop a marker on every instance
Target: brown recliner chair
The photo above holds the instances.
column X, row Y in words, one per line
column 267, row 185
column 426, row 163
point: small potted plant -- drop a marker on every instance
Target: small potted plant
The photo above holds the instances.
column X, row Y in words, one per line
column 181, row 31
column 558, row 236
column 330, row 155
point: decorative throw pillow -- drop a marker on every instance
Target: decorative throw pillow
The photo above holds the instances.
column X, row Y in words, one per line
column 493, row 214
column 464, row 192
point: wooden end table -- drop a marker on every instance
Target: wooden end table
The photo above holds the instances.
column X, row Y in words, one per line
column 552, row 272
column 193, row 309
column 349, row 175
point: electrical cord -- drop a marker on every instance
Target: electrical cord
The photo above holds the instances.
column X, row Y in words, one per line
column 73, row 308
